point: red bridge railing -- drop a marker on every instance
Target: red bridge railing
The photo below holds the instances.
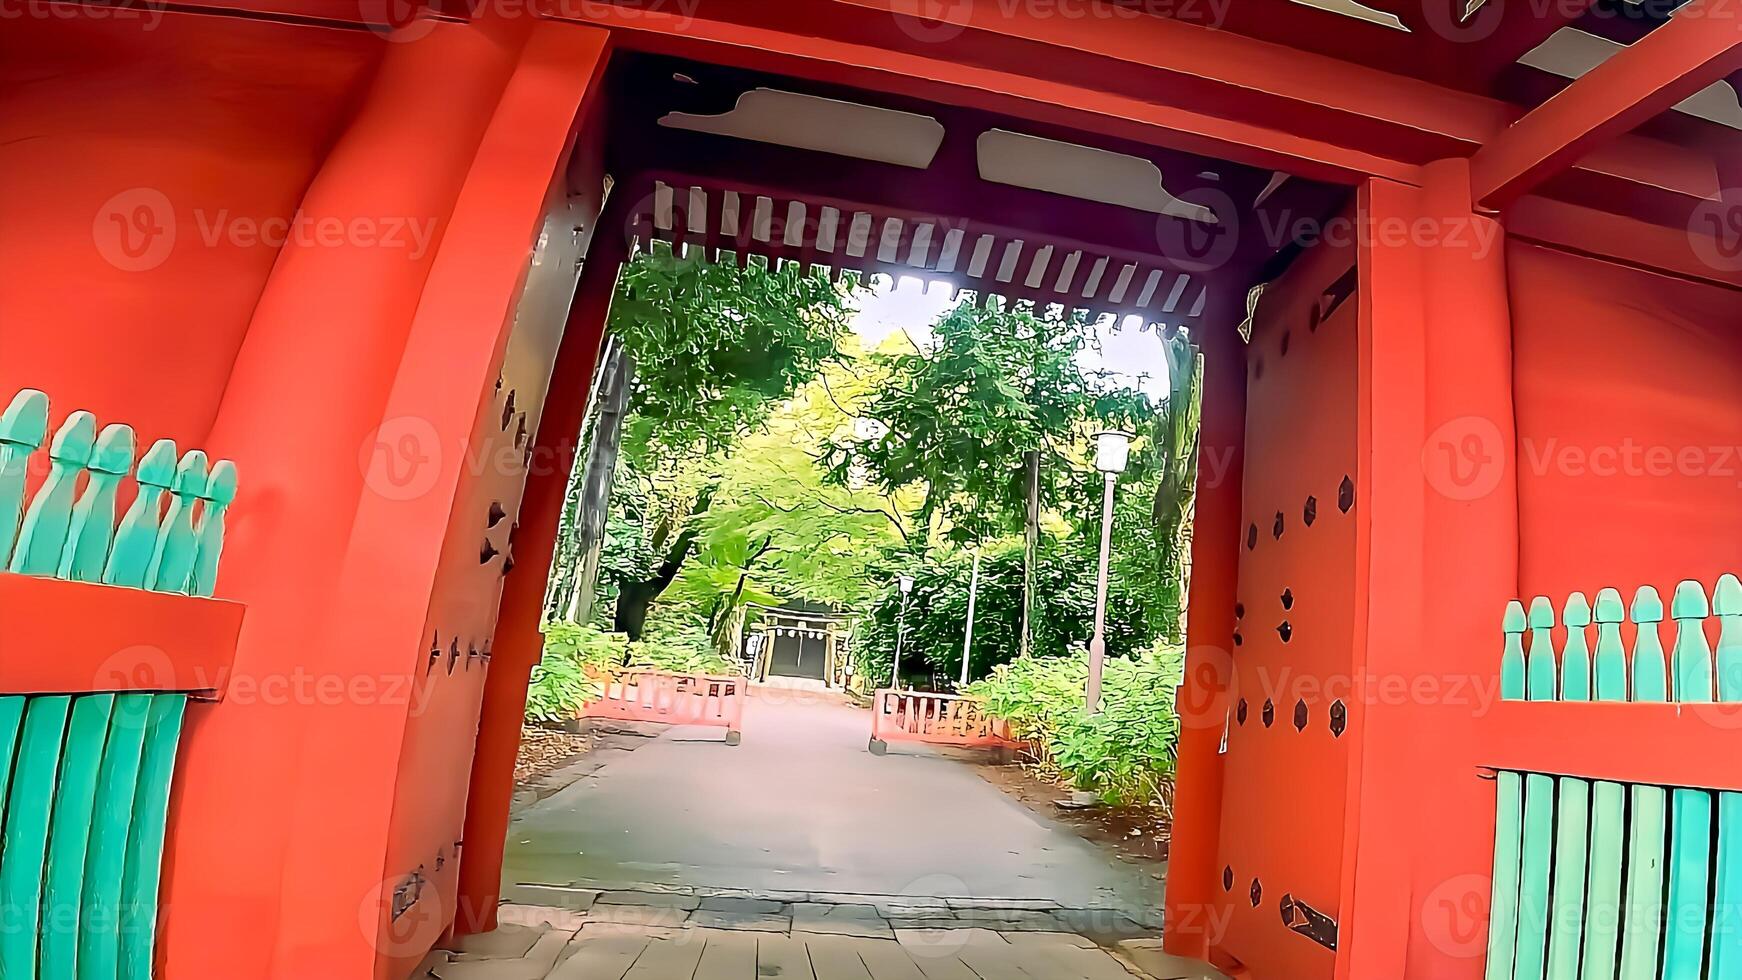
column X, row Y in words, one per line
column 939, row 719
column 673, row 699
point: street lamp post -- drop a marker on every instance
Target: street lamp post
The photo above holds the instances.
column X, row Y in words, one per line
column 1112, row 449
column 900, row 631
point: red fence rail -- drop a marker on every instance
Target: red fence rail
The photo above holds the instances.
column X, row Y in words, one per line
column 939, row 719
column 673, row 699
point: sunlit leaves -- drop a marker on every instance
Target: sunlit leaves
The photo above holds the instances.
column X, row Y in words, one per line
column 715, row 345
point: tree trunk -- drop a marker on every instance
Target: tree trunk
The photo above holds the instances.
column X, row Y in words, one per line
column 595, row 493
column 635, row 599
column 726, row 626
column 1030, row 544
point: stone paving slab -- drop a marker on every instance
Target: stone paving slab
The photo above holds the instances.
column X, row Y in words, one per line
column 638, row 915
column 1146, row 955
column 664, row 900
column 742, row 921
column 743, row 905
column 603, row 948
column 552, row 896
column 861, row 921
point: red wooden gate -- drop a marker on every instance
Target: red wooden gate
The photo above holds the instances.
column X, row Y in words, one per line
column 1282, row 853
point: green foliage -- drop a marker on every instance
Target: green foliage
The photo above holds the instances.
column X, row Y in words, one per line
column 566, row 675
column 1141, row 604
column 993, row 384
column 680, row 650
column 576, row 656
column 937, row 611
column 1126, row 752
column 774, row 528
column 715, row 345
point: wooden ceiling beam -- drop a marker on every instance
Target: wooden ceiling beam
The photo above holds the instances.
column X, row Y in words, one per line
column 1700, row 45
column 1146, row 79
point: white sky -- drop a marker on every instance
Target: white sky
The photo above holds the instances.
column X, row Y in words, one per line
column 915, row 306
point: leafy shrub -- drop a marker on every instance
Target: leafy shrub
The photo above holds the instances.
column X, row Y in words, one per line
column 577, row 658
column 1140, row 608
column 1125, row 753
column 684, row 649
column 567, row 676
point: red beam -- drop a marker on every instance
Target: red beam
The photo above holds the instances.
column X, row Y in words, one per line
column 1624, row 742
column 1701, row 45
column 73, row 637
column 1226, row 96
column 1001, row 73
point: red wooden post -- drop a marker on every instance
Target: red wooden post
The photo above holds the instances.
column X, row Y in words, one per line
column 1203, row 698
column 1441, row 542
column 519, row 642
column 306, row 386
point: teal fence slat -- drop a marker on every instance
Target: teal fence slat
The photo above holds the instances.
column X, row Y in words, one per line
column 70, row 834
column 1573, row 810
column 1726, row 961
column 172, row 563
column 136, row 535
column 1508, row 815
column 1690, row 850
column 1602, row 940
column 25, row 845
column 1537, row 840
column 1643, row 915
column 111, row 821
column 144, row 865
column 23, row 427
column 92, row 530
column 43, row 534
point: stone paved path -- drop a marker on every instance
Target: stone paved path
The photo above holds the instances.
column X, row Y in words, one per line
column 802, row 809
column 613, row 940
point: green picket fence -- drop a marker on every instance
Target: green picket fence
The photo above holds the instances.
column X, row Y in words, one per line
column 85, row 776
column 1597, row 880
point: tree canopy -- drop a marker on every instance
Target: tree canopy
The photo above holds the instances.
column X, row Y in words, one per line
column 956, row 418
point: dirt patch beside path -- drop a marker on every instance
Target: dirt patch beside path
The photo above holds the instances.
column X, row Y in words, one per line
column 544, row 750
column 1138, row 835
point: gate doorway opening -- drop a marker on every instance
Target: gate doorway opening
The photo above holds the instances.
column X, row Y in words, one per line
column 728, row 165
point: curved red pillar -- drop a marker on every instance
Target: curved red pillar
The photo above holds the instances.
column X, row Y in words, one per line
column 1203, row 697
column 519, row 641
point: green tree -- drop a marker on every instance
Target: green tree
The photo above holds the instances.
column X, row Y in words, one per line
column 775, row 529
column 956, row 418
column 707, row 349
column 717, row 345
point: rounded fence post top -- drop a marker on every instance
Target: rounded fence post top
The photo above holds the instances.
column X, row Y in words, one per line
column 1514, row 621
column 25, row 421
column 1727, row 597
column 1689, row 601
column 1610, row 608
column 1577, row 611
column 1647, row 605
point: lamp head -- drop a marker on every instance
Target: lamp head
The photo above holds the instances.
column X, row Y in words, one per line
column 906, row 584
column 1112, row 450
